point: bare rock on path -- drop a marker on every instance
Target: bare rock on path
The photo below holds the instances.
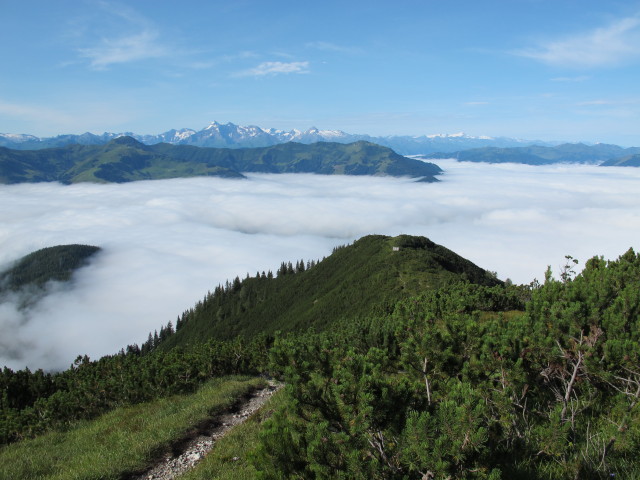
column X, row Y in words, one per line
column 194, row 449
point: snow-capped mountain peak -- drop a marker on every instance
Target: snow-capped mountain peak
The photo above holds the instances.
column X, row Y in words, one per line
column 230, row 135
column 17, row 137
column 212, row 125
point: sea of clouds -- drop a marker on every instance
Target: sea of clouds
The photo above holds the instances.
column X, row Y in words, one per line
column 167, row 243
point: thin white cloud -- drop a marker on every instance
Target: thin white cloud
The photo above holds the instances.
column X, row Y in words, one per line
column 602, row 47
column 577, row 79
column 210, row 62
column 117, row 34
column 332, row 47
column 122, row 11
column 166, row 243
column 140, row 46
column 594, row 102
column 276, row 68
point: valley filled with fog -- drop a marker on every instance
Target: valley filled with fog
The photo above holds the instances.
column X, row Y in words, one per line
column 166, row 243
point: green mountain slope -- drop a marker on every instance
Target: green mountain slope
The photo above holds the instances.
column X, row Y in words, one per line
column 52, row 263
column 121, row 160
column 628, row 161
column 539, row 155
column 360, row 158
column 357, row 280
column 125, row 159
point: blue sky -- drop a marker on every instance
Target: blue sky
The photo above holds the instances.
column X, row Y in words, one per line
column 533, row 69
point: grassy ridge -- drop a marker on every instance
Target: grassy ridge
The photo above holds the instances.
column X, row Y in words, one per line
column 124, row 440
column 356, row 280
column 125, row 159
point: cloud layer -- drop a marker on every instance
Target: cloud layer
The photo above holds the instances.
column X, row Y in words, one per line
column 166, row 243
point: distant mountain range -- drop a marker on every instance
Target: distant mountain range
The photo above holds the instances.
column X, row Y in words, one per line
column 458, row 145
column 234, row 136
column 599, row 154
column 124, row 159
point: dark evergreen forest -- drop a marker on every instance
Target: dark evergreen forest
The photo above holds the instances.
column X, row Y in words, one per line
column 51, row 263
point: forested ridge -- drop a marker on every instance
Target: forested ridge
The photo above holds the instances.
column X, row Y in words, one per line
column 361, row 279
column 26, row 281
column 453, row 374
column 47, row 264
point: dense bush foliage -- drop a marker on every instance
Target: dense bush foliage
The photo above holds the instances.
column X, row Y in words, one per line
column 454, row 384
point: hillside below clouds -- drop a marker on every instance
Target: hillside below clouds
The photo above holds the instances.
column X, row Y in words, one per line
column 626, row 161
column 48, row 264
column 601, row 153
column 125, row 159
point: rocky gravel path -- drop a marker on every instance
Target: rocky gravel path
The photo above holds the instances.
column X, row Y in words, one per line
column 194, row 449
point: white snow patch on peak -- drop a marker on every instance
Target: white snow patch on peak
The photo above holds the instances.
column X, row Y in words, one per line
column 447, row 135
column 323, row 133
column 184, row 133
column 332, row 133
column 294, row 131
column 457, row 135
column 436, row 135
column 254, row 130
column 18, row 137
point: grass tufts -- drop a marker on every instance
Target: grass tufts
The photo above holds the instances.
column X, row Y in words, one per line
column 123, row 441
